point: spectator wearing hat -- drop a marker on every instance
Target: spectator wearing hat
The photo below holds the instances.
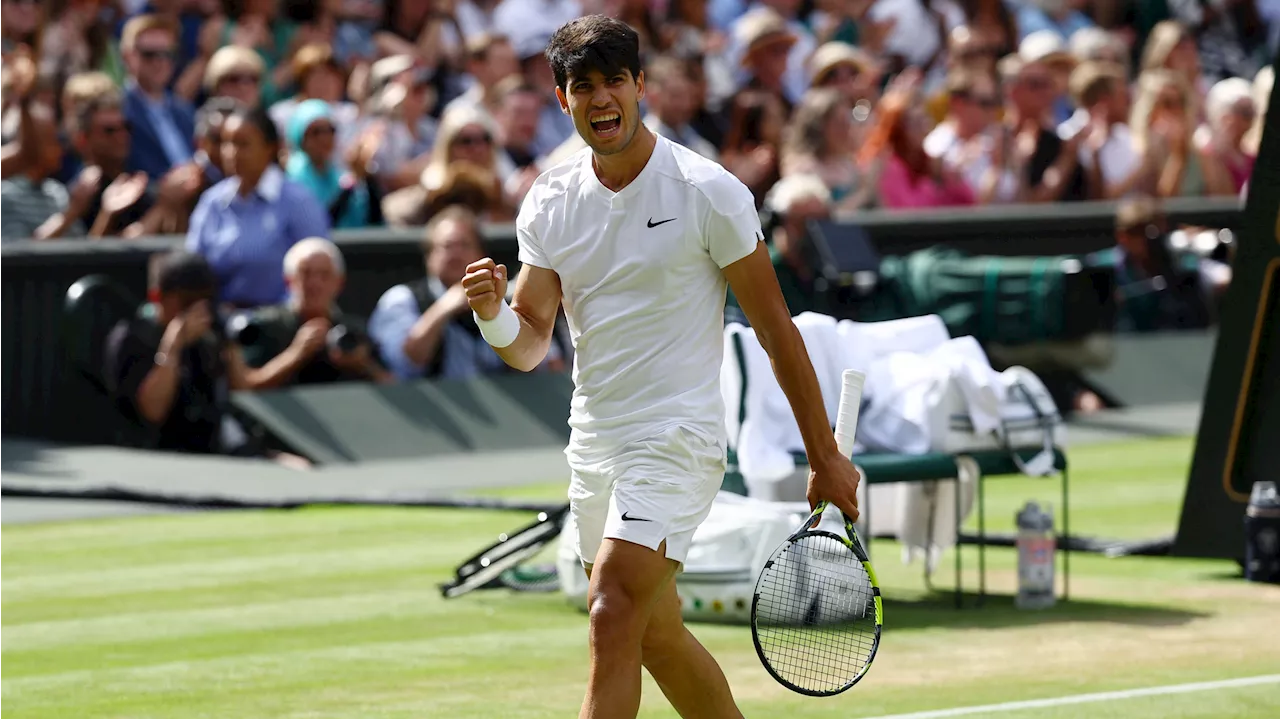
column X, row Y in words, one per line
column 235, row 72
column 847, row 70
column 795, row 79
column 1046, row 48
column 852, row 73
column 162, row 125
column 670, row 96
column 766, row 43
column 1061, row 17
column 350, row 195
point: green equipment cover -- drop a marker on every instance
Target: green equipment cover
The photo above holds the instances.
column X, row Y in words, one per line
column 1006, row 300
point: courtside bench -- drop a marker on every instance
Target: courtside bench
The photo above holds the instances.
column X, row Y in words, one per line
column 887, row 468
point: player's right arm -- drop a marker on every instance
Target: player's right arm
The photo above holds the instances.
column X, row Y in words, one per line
column 534, row 305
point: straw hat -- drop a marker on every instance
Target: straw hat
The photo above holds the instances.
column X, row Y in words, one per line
column 834, row 54
column 760, row 29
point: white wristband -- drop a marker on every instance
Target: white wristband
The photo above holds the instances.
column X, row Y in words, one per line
column 501, row 330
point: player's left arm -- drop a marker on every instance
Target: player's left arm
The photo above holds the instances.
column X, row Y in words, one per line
column 755, row 284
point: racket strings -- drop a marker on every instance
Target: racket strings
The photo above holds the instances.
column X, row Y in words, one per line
column 815, row 614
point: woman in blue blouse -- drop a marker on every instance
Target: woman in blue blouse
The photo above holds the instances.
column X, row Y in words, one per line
column 246, row 223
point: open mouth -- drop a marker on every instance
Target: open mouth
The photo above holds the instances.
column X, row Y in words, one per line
column 606, row 124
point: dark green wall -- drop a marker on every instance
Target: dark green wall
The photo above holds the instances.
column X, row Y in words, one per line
column 41, row 399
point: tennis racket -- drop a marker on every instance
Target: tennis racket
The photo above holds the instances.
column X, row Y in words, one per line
column 816, row 615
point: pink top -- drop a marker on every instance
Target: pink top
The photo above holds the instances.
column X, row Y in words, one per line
column 898, row 190
column 1241, row 171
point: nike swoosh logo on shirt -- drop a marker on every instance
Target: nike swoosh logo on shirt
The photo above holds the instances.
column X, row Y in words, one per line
column 653, row 224
column 626, row 518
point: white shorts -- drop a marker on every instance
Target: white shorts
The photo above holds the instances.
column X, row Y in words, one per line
column 653, row 490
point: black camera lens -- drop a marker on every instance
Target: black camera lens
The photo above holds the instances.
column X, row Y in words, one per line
column 343, row 339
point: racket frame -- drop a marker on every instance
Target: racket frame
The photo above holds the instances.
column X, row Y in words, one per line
column 855, row 545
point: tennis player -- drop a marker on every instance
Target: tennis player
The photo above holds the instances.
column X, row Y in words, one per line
column 637, row 237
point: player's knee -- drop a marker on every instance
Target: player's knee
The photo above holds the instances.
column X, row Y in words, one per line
column 613, row 613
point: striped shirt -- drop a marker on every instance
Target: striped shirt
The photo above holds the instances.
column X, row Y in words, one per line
column 245, row 238
column 24, row 206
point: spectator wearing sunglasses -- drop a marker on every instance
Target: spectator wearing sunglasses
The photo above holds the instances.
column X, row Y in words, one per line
column 971, row 141
column 351, row 198
column 235, row 72
column 163, row 125
column 102, row 199
column 465, row 163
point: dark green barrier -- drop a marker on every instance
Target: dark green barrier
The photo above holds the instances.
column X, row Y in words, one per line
column 41, row 399
column 358, row 422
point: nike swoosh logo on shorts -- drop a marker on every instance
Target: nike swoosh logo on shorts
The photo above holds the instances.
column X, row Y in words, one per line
column 625, row 518
column 653, row 224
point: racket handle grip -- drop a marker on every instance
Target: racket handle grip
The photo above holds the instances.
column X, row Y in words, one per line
column 851, row 383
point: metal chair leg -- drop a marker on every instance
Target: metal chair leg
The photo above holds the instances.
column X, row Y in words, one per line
column 959, row 562
column 982, row 542
column 1066, row 533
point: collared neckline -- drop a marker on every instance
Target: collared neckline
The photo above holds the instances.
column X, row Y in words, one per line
column 269, row 188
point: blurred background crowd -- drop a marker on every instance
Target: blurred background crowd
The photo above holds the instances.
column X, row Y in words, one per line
column 386, row 111
column 249, row 126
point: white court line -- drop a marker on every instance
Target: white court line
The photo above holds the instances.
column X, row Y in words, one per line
column 1089, row 698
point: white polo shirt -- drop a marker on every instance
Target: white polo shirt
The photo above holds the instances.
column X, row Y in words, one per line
column 643, row 291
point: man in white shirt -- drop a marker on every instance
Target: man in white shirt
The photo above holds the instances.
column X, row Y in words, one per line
column 1111, row 162
column 638, row 237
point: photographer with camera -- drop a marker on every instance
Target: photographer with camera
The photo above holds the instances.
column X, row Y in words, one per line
column 308, row 336
column 170, row 368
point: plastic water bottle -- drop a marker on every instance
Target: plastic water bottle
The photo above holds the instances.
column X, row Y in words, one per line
column 1036, row 545
column 1262, row 534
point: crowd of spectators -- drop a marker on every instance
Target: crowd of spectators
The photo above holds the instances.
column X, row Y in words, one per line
column 257, row 127
column 292, row 117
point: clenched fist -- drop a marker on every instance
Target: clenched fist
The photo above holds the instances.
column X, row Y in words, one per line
column 486, row 286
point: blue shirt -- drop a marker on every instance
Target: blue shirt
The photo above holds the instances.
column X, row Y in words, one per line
column 176, row 150
column 1031, row 19
column 245, row 238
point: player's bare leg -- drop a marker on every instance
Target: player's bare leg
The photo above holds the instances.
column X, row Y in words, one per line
column 690, row 678
column 626, row 583
column 685, row 671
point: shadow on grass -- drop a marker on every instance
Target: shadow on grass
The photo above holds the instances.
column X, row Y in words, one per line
column 938, row 610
